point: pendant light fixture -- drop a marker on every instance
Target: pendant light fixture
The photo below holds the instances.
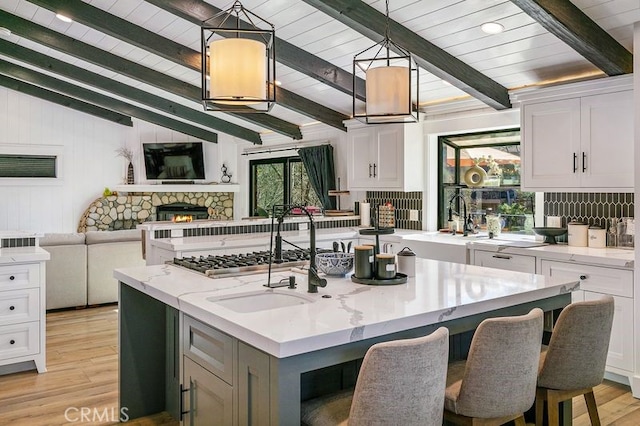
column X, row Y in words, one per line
column 391, row 82
column 238, row 62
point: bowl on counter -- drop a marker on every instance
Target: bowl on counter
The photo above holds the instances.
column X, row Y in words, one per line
column 335, row 264
column 550, row 234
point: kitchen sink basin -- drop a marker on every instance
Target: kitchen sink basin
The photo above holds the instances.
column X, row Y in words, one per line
column 257, row 301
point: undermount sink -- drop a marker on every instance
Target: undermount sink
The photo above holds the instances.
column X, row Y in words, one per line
column 263, row 300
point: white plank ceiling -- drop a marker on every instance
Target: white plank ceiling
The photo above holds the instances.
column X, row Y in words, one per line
column 524, row 54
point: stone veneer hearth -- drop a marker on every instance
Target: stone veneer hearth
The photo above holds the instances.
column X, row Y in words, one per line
column 116, row 212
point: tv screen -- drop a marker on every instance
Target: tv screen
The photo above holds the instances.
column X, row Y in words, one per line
column 173, row 161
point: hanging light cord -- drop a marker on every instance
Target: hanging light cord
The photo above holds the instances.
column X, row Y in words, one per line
column 387, row 36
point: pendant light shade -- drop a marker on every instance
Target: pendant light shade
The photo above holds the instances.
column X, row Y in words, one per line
column 238, row 62
column 237, row 68
column 387, row 90
column 391, row 83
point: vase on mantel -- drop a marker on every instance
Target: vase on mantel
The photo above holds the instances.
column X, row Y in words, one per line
column 130, row 176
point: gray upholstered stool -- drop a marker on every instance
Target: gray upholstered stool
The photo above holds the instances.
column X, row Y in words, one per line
column 400, row 382
column 574, row 361
column 497, row 382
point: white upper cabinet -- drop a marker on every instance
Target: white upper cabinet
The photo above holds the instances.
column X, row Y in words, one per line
column 578, row 137
column 388, row 157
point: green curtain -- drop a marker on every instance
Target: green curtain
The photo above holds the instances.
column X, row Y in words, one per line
column 318, row 162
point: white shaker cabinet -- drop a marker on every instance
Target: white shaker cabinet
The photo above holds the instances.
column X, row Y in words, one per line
column 596, row 281
column 387, row 157
column 578, row 137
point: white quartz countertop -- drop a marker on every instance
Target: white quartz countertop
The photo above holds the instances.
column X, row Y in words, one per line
column 439, row 292
column 22, row 254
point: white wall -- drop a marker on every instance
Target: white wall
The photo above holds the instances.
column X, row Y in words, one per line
column 88, row 161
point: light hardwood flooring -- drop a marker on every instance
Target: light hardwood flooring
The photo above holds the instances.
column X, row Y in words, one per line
column 82, row 371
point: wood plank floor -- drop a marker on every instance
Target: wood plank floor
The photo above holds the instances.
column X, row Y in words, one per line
column 82, row 364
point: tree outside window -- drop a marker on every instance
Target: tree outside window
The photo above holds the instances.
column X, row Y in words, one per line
column 279, row 181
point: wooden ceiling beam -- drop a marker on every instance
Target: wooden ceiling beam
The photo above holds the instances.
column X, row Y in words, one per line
column 567, row 22
column 131, row 93
column 43, row 80
column 65, row 101
column 198, row 11
column 78, row 49
column 124, row 30
column 369, row 22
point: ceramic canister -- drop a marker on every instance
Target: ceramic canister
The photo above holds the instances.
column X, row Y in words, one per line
column 578, row 234
column 407, row 262
column 597, row 237
column 363, row 262
column 385, row 266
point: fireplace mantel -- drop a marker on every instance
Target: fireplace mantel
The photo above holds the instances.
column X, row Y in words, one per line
column 222, row 187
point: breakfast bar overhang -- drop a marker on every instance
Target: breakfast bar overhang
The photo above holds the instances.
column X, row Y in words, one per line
column 157, row 301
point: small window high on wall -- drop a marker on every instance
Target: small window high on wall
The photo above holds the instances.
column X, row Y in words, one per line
column 27, row 166
column 483, row 169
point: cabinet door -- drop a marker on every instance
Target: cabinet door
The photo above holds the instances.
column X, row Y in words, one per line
column 209, row 401
column 361, row 159
column 253, row 386
column 551, row 144
column 606, row 157
column 509, row 262
column 620, row 353
column 388, row 170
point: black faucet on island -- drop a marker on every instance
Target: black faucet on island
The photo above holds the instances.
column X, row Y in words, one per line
column 279, row 212
column 468, row 225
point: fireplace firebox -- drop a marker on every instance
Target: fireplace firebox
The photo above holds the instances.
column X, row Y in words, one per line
column 168, row 211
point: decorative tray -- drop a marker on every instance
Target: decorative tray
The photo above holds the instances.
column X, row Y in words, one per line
column 399, row 279
column 377, row 231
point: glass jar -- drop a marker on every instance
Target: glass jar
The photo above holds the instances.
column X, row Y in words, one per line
column 494, row 225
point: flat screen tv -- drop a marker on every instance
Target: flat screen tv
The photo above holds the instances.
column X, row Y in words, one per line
column 174, row 161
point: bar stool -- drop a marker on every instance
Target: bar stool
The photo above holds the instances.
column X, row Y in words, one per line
column 497, row 382
column 574, row 362
column 400, row 382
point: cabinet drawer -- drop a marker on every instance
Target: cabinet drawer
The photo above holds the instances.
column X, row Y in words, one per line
column 617, row 282
column 19, row 340
column 19, row 306
column 19, row 276
column 211, row 348
column 509, row 262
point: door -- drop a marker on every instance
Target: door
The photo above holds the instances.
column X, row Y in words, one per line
column 606, row 157
column 209, row 401
column 551, row 145
column 361, row 158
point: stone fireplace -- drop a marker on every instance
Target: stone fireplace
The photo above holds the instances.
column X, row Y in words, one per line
column 115, row 212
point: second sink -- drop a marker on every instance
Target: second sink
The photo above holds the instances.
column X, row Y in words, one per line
column 256, row 301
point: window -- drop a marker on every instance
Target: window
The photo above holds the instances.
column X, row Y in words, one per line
column 279, row 181
column 484, row 169
column 27, row 166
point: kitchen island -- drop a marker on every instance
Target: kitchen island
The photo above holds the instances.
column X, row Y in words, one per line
column 265, row 353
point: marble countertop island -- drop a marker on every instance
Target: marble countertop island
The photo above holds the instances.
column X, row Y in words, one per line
column 343, row 312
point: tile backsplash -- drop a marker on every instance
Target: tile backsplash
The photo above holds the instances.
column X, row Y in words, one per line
column 403, row 202
column 592, row 208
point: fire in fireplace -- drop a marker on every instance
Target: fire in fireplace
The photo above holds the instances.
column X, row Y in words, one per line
column 175, row 210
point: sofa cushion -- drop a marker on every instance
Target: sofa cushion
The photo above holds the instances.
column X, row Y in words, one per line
column 101, row 237
column 62, row 239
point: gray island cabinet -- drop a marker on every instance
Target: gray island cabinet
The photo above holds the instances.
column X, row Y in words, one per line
column 232, row 352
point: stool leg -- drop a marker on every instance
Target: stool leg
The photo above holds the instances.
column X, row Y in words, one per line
column 520, row 421
column 590, row 399
column 553, row 413
column 541, row 396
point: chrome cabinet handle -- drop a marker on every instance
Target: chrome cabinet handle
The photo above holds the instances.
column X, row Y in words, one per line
column 374, row 170
column 575, row 162
column 501, row 256
column 182, row 410
column 584, row 162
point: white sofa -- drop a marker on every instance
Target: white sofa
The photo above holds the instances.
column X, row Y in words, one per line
column 80, row 271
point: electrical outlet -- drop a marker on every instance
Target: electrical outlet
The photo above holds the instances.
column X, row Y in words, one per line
column 413, row 215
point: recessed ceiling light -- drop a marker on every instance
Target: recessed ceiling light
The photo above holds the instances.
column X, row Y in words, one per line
column 492, row 27
column 5, row 31
column 63, row 18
